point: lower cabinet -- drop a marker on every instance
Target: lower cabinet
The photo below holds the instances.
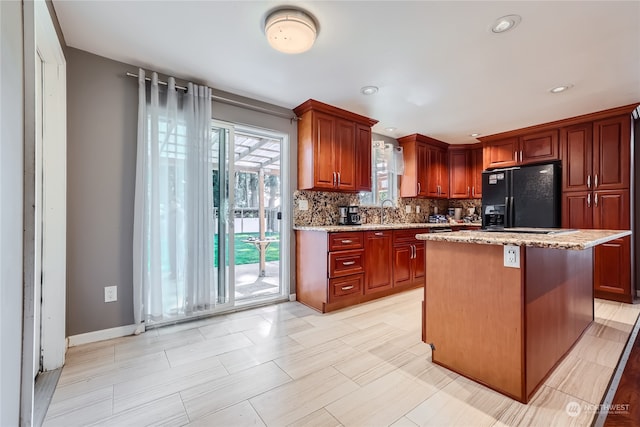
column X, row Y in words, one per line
column 612, row 272
column 339, row 269
column 379, row 270
column 408, row 258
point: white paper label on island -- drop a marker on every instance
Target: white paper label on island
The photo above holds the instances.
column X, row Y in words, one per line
column 512, row 256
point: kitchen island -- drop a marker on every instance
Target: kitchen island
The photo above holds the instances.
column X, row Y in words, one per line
column 507, row 327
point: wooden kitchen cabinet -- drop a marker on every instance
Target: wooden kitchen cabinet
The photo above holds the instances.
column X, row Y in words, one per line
column 459, row 173
column 609, row 210
column 339, row 269
column 438, row 172
column 465, row 172
column 425, row 167
column 611, row 153
column 611, row 276
column 379, row 267
column 334, row 148
column 537, row 147
column 596, row 155
column 408, row 258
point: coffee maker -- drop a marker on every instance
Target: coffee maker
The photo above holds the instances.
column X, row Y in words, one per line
column 349, row 215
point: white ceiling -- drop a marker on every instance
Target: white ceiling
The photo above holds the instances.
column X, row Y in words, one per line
column 440, row 70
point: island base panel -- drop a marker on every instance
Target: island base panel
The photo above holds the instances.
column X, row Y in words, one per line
column 473, row 314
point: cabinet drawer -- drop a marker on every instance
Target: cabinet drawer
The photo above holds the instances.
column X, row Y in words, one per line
column 345, row 286
column 407, row 236
column 343, row 263
column 346, row 240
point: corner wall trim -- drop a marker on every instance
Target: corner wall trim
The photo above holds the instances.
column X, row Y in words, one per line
column 104, row 334
column 292, row 297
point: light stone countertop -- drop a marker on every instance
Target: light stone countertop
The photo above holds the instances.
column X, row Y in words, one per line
column 565, row 239
column 390, row 226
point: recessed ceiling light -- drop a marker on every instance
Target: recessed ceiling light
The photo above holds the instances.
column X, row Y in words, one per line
column 559, row 89
column 474, row 134
column 505, row 23
column 368, row 90
column 290, row 30
column 390, row 129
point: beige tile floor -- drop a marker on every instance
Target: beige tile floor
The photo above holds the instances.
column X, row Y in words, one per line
column 287, row 365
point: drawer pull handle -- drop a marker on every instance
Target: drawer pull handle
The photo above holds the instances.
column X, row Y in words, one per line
column 347, row 241
column 348, row 262
column 378, row 233
column 346, row 288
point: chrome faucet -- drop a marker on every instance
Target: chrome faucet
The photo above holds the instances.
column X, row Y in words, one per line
column 382, row 209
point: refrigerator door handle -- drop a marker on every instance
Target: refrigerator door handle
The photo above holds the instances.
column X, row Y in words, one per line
column 512, row 213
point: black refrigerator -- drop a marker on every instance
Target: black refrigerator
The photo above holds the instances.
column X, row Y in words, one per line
column 525, row 196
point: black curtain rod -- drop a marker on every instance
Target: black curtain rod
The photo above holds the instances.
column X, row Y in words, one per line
column 231, row 101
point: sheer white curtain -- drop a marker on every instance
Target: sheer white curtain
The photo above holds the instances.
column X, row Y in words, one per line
column 173, row 214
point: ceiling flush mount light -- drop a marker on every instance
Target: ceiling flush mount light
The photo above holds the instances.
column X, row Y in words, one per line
column 560, row 89
column 290, row 30
column 390, row 129
column 505, row 23
column 474, row 134
column 369, row 90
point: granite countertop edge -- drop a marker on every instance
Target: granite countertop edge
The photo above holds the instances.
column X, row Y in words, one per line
column 577, row 240
column 391, row 226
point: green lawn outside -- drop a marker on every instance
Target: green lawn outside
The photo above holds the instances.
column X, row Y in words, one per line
column 247, row 253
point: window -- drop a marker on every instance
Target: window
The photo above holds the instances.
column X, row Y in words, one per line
column 387, row 165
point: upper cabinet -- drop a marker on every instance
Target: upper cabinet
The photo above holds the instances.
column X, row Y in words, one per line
column 597, row 155
column 334, row 148
column 523, row 149
column 426, row 172
column 465, row 171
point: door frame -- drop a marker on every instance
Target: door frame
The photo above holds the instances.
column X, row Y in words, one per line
column 40, row 38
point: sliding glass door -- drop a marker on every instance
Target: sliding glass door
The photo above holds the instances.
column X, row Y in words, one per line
column 248, row 200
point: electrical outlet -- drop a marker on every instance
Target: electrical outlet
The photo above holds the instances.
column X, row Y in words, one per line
column 303, row 205
column 512, row 256
column 110, row 293
column 407, row 209
column 418, row 209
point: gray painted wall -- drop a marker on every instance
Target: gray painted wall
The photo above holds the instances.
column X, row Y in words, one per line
column 11, row 169
column 101, row 159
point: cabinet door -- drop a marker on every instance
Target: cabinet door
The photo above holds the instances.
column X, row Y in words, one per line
column 612, row 270
column 577, row 143
column 402, row 257
column 433, row 172
column 476, row 173
column 419, row 262
column 501, row 153
column 345, row 155
column 423, row 169
column 611, row 153
column 443, row 174
column 577, row 211
column 539, row 147
column 611, row 210
column 323, row 146
column 459, row 171
column 379, row 271
column 363, row 158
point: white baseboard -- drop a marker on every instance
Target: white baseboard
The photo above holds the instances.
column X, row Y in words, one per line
column 292, row 297
column 104, row 334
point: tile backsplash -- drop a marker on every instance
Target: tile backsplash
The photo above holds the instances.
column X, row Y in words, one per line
column 323, row 208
